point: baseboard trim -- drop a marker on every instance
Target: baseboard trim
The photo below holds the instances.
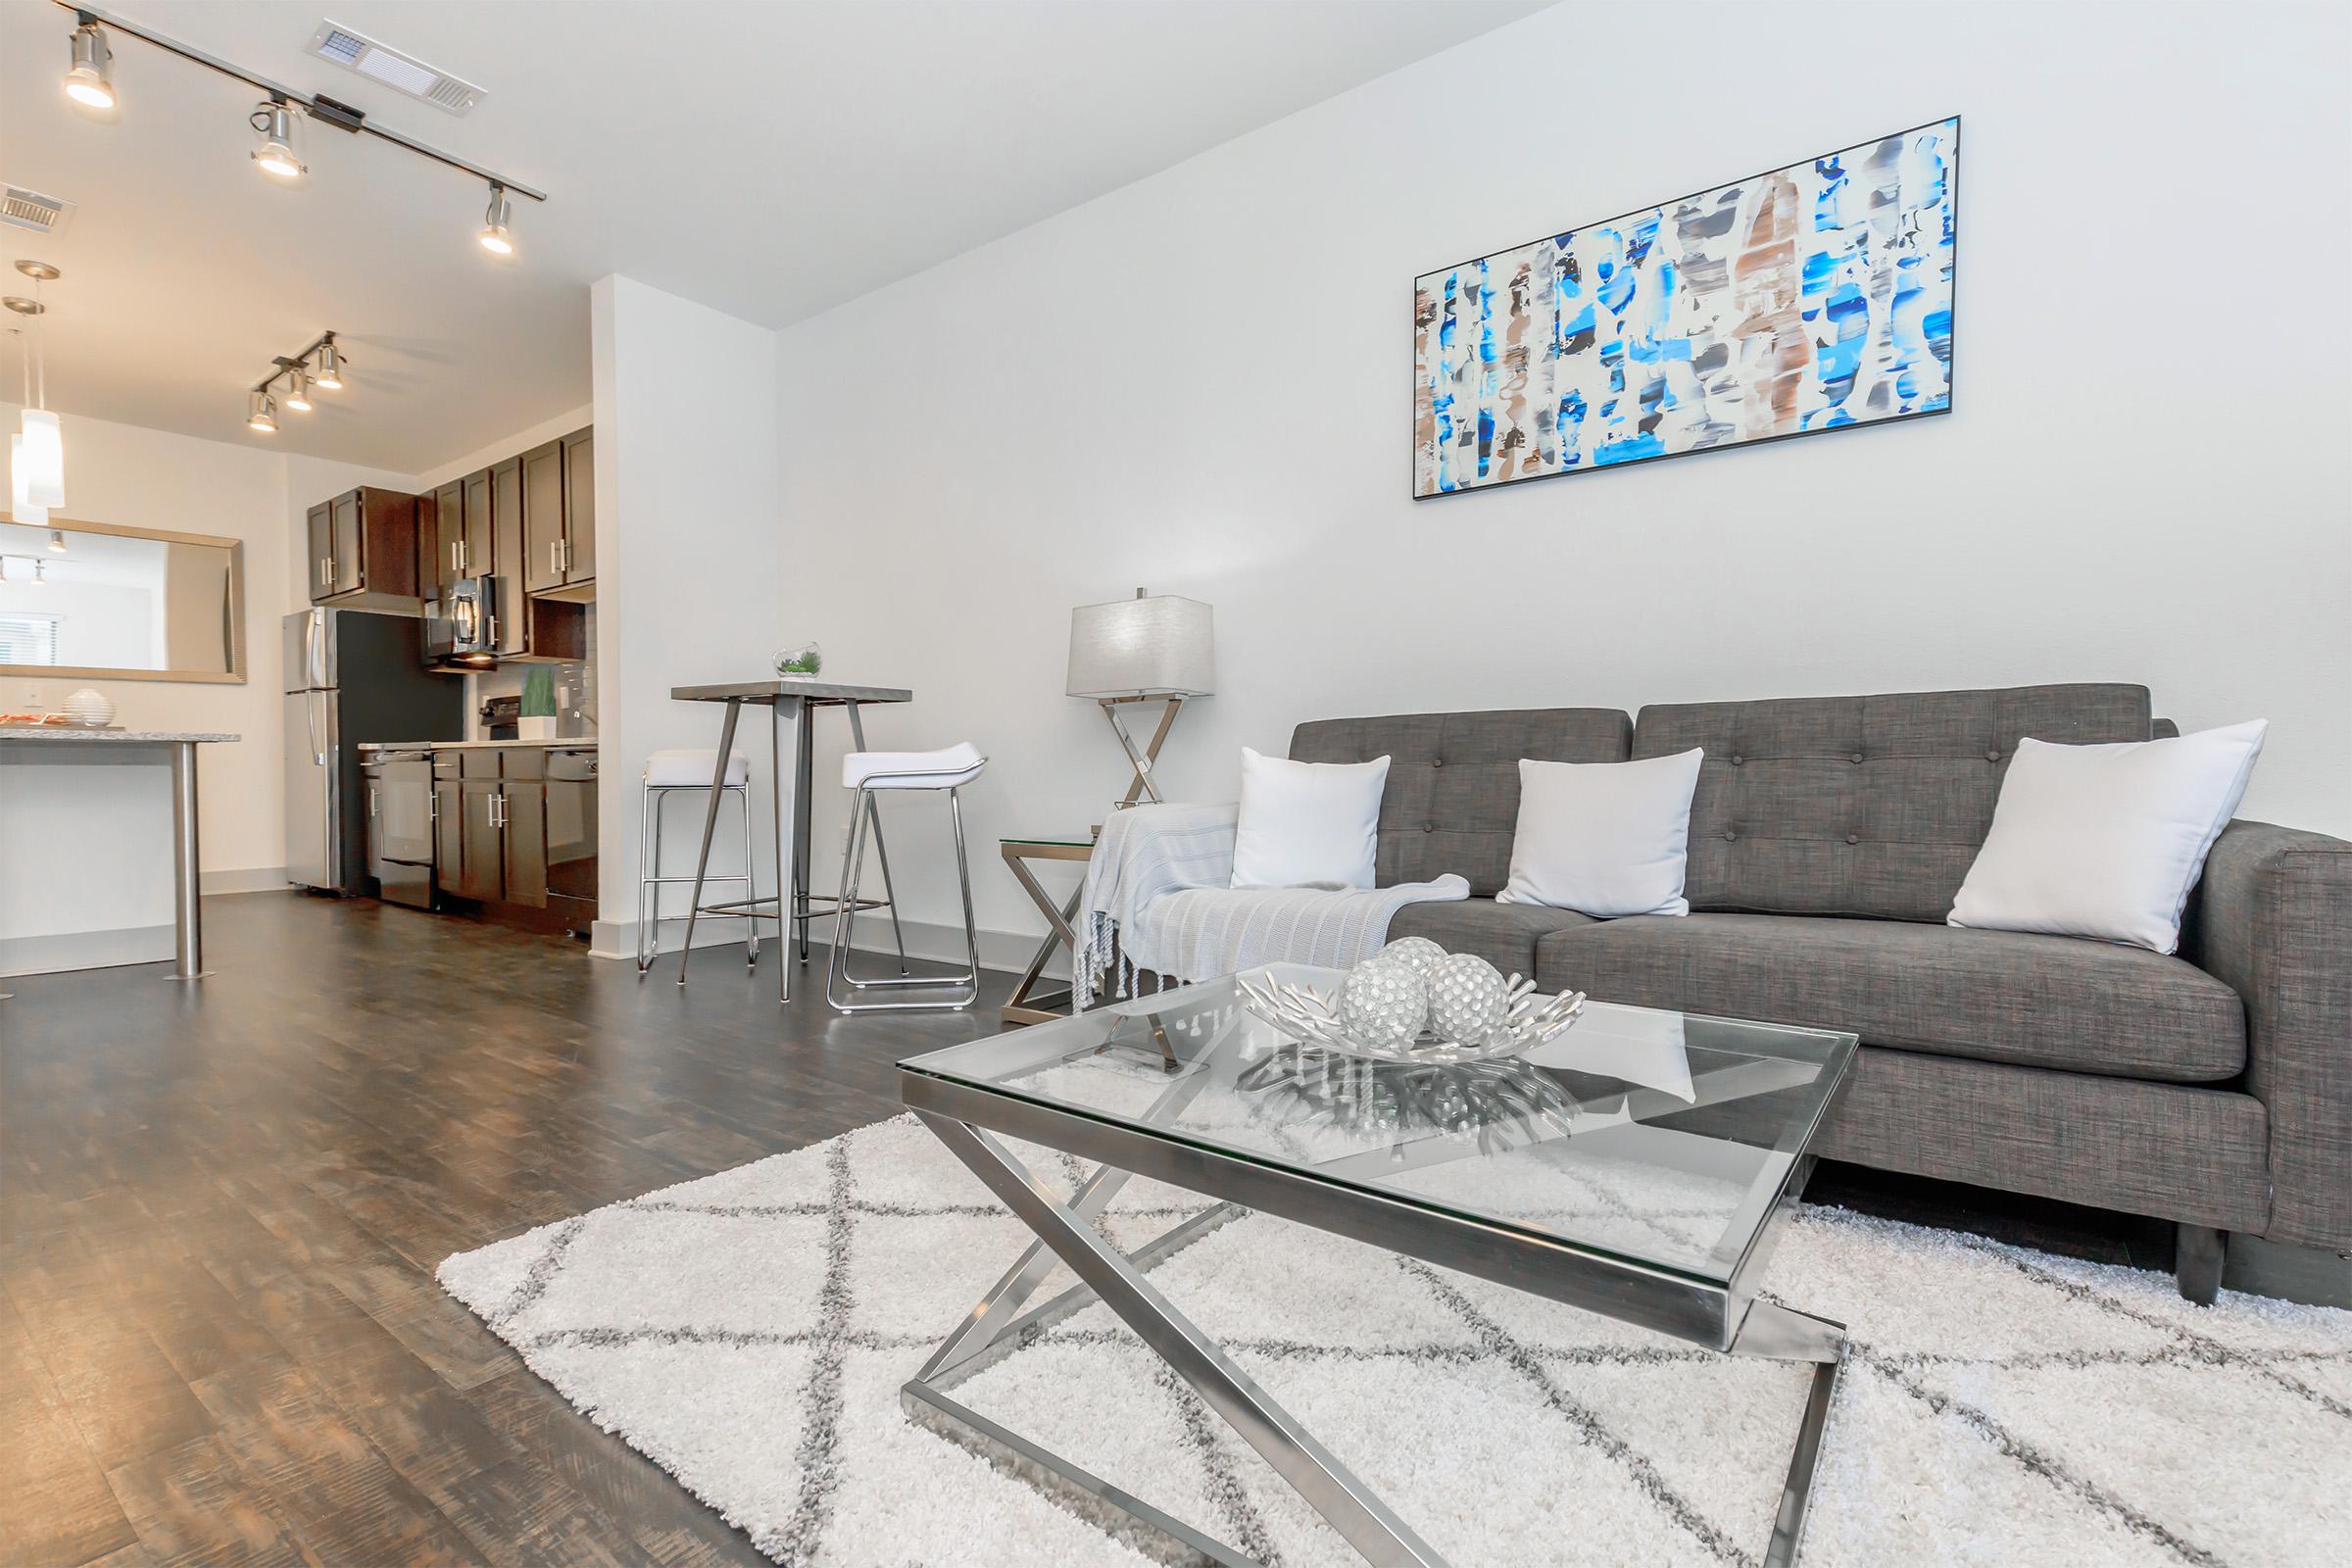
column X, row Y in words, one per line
column 84, row 950
column 245, row 879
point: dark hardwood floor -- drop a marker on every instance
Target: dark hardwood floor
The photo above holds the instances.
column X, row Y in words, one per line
column 220, row 1342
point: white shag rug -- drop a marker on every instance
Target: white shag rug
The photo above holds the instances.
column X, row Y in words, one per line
column 749, row 1332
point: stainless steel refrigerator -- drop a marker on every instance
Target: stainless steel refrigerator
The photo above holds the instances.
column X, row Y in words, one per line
column 351, row 677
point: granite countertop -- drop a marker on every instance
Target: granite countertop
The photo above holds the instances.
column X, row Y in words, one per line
column 116, row 737
column 574, row 743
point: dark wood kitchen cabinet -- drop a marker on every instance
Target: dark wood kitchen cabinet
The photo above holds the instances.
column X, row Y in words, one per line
column 543, row 517
column 363, row 547
column 506, row 558
column 515, row 832
column 579, row 507
column 449, row 536
column 475, row 543
column 559, row 509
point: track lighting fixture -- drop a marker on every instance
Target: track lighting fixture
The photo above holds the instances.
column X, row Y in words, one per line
column 319, row 365
column 496, row 238
column 87, row 83
column 40, row 574
column 57, row 542
column 273, row 124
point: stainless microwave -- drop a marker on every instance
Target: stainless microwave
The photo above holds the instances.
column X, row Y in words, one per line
column 460, row 628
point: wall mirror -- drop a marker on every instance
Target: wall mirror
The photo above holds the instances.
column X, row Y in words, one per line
column 101, row 601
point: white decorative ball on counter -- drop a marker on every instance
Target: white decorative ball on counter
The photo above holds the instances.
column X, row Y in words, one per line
column 91, row 707
column 1382, row 1003
column 1468, row 998
column 1417, row 953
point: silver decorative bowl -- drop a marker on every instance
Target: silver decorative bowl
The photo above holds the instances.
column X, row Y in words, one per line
column 1312, row 1019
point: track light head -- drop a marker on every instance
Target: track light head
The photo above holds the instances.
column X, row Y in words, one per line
column 262, row 418
column 496, row 236
column 298, row 390
column 328, row 377
column 86, row 83
column 273, row 124
column 57, row 542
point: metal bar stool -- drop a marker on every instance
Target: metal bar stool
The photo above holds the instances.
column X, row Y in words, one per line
column 666, row 773
column 868, row 774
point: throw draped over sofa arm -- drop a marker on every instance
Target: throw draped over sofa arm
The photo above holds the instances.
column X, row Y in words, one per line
column 2273, row 919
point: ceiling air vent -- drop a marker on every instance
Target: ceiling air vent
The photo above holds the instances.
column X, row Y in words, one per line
column 29, row 208
column 402, row 72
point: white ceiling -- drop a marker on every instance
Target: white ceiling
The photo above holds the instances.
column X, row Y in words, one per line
column 770, row 160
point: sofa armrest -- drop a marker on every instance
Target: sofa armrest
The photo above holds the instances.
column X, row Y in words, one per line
column 2273, row 919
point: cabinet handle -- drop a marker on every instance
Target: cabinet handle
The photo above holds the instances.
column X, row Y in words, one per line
column 555, row 556
column 371, row 799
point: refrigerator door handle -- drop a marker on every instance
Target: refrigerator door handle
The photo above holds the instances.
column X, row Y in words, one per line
column 310, row 723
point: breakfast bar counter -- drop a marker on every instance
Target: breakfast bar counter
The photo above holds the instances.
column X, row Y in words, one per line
column 55, row 827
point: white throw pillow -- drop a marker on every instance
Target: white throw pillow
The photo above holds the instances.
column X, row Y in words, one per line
column 2106, row 841
column 1307, row 824
column 1603, row 838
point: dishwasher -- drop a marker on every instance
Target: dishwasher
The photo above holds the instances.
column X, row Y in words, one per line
column 399, row 787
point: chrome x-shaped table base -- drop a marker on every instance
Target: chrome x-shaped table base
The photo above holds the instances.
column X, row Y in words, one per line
column 1067, row 1232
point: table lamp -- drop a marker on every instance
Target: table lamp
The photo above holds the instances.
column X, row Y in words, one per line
column 1154, row 648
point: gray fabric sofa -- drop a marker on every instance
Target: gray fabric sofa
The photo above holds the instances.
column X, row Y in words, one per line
column 1828, row 837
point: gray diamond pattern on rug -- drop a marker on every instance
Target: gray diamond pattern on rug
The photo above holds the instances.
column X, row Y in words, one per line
column 748, row 1332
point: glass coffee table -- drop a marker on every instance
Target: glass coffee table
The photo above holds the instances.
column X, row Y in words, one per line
column 1636, row 1166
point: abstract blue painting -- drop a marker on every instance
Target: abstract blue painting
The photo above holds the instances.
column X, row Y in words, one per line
column 1816, row 297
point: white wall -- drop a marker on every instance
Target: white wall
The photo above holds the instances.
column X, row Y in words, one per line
column 1202, row 383
column 123, row 473
column 688, row 556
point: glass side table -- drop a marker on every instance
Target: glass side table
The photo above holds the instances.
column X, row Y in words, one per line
column 1028, row 1003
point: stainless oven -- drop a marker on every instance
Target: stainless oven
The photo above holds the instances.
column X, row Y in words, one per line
column 399, row 787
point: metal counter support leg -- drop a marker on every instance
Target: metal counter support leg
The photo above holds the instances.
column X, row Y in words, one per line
column 701, row 862
column 187, row 912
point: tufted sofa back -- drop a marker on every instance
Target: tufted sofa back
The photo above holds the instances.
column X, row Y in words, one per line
column 1452, row 798
column 1862, row 806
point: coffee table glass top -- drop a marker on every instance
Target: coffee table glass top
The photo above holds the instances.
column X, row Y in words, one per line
column 1665, row 1139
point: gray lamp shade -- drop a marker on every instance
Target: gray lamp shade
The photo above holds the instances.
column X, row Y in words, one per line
column 1156, row 646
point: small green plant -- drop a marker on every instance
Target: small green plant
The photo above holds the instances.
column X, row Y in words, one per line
column 538, row 692
column 805, row 659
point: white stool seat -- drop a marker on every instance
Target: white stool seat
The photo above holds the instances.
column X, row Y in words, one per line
column 942, row 770
column 688, row 767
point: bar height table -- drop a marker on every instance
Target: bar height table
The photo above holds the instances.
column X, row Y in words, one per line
column 791, row 707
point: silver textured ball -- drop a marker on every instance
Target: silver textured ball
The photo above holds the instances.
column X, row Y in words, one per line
column 1417, row 953
column 1468, row 999
column 1384, row 1004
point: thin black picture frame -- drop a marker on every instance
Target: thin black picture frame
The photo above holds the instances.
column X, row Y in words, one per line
column 1951, row 369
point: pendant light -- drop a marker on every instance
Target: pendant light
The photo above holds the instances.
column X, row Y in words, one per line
column 86, row 83
column 38, row 454
column 273, row 122
column 21, row 505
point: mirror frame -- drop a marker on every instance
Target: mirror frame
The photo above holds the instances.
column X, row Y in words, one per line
column 235, row 675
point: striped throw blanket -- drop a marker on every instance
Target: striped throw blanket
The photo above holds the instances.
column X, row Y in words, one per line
column 1157, row 901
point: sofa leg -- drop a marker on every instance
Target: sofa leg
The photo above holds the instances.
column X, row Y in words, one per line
column 2197, row 1261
